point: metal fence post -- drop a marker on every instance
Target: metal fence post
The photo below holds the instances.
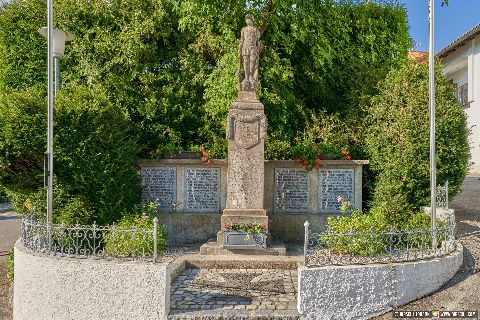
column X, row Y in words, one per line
column 305, row 244
column 155, row 233
column 446, row 194
column 50, row 238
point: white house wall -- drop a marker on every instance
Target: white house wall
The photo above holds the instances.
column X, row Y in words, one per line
column 463, row 66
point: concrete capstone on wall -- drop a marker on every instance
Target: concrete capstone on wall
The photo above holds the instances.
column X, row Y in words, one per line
column 363, row 291
column 48, row 287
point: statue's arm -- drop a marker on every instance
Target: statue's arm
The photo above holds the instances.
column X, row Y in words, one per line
column 241, row 43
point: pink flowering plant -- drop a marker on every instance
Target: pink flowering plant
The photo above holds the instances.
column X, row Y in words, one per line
column 205, row 154
column 308, row 156
column 249, row 228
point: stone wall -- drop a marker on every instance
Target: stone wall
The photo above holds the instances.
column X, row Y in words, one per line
column 192, row 195
column 363, row 291
column 53, row 288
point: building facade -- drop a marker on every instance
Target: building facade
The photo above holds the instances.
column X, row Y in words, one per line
column 461, row 65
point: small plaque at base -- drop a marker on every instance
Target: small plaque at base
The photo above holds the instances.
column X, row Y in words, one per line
column 239, row 240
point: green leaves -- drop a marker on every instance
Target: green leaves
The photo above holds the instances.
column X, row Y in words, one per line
column 397, row 140
column 171, row 65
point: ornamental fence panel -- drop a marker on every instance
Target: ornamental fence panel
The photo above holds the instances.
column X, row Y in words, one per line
column 97, row 242
column 328, row 248
column 442, row 196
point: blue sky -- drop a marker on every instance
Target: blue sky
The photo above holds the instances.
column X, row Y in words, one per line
column 450, row 21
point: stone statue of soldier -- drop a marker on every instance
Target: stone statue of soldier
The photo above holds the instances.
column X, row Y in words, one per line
column 248, row 53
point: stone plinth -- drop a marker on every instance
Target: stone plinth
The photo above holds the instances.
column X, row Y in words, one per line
column 246, row 128
column 245, row 174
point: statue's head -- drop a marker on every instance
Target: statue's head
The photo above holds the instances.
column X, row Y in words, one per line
column 249, row 20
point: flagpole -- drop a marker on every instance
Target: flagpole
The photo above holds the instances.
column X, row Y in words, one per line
column 431, row 82
column 50, row 119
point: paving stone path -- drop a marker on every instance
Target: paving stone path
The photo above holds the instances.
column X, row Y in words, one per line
column 234, row 289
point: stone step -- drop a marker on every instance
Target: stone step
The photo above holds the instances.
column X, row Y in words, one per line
column 212, row 247
column 234, row 315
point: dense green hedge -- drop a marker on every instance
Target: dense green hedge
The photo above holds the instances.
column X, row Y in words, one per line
column 94, row 155
column 397, row 138
column 171, row 65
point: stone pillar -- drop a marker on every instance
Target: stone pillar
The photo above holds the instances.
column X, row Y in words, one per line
column 246, row 130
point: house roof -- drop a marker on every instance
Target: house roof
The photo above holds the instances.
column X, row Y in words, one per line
column 418, row 56
column 470, row 34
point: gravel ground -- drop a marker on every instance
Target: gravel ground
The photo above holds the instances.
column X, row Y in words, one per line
column 462, row 291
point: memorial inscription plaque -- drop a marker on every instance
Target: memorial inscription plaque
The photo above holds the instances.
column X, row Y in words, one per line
column 292, row 190
column 333, row 183
column 201, row 191
column 159, row 185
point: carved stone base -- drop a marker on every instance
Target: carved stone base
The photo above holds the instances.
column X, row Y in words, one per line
column 241, row 216
column 239, row 219
column 247, row 96
column 275, row 248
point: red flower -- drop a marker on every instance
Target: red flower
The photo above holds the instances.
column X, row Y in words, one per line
column 317, row 166
column 157, row 151
column 203, row 159
column 314, row 148
column 303, row 167
column 200, row 148
column 344, row 151
column 208, row 161
column 317, row 160
column 150, row 153
column 309, row 165
column 349, row 158
column 297, row 160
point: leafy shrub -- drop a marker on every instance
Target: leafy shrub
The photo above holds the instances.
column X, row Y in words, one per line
column 397, row 138
column 3, row 195
column 370, row 234
column 68, row 209
column 94, row 155
column 124, row 243
column 22, row 141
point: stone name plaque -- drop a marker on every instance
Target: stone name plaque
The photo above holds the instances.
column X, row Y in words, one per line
column 201, row 190
column 292, row 190
column 159, row 185
column 333, row 183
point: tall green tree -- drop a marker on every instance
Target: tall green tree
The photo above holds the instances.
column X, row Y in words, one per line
column 171, row 64
column 397, row 138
